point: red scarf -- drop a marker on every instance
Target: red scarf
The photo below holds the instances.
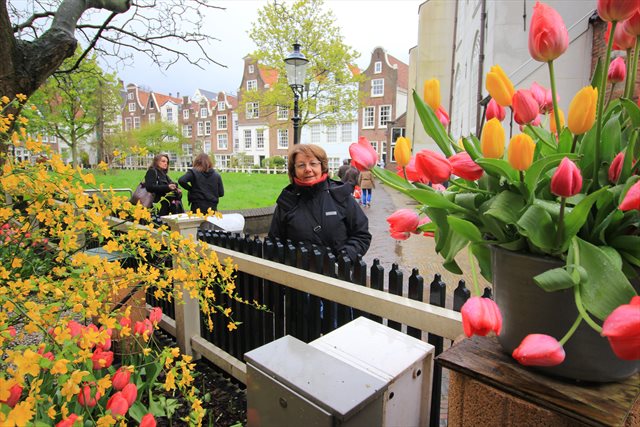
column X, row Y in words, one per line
column 310, row 183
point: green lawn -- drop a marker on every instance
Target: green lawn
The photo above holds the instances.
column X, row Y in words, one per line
column 241, row 190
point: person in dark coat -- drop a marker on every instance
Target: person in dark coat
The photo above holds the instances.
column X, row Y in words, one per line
column 314, row 209
column 203, row 183
column 342, row 169
column 158, row 182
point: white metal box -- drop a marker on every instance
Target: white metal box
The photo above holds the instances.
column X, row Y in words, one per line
column 404, row 363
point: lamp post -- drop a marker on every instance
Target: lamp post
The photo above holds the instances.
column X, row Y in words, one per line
column 296, row 67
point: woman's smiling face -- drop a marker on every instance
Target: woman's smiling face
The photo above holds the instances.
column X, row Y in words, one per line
column 308, row 168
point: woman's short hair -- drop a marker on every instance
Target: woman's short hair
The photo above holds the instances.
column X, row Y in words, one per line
column 156, row 160
column 310, row 150
column 202, row 162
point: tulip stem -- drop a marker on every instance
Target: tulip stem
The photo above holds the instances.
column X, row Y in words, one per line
column 583, row 313
column 573, row 144
column 571, row 330
column 613, row 85
column 511, row 123
column 521, row 176
column 634, row 69
column 474, row 274
column 464, row 187
column 404, row 172
column 536, row 132
column 554, row 98
column 563, row 203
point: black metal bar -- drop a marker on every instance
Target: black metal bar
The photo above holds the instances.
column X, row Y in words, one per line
column 395, row 288
column 377, row 282
column 437, row 296
column 460, row 295
column 416, row 292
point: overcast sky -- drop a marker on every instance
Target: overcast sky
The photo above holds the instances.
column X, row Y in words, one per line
column 365, row 24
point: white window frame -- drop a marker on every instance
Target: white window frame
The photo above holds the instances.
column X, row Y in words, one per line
column 222, row 106
column 377, row 87
column 200, row 129
column 380, row 115
column 259, row 139
column 221, row 123
column 368, row 120
column 346, row 133
column 130, row 95
column 332, row 134
column 136, row 122
column 169, row 114
column 187, row 131
column 128, row 123
column 282, row 113
column 248, row 143
column 185, row 113
column 316, row 134
column 187, row 149
column 223, row 141
column 151, row 118
column 132, row 106
column 251, row 69
column 207, row 127
column 253, row 110
column 252, row 84
column 204, row 112
column 377, row 67
column 283, row 138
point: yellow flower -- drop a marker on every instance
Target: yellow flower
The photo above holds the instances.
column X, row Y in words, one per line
column 552, row 121
column 520, row 154
column 582, row 110
column 170, row 382
column 105, row 421
column 20, row 415
column 59, row 367
column 16, row 263
column 21, row 97
column 27, row 363
column 492, row 140
column 432, row 93
column 52, row 412
column 499, row 86
column 402, row 151
column 231, row 326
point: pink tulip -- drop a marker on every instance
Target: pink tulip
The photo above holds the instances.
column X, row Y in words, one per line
column 616, row 168
column 567, row 180
column 525, row 107
column 536, row 121
column 125, row 321
column 130, row 393
column 631, row 200
column 442, row 115
column 412, row 173
column 438, row 187
column 85, row 398
column 539, row 93
column 632, row 24
column 117, row 404
column 15, row 392
column 548, row 36
column 426, row 220
column 480, row 316
column 148, row 421
column 143, row 327
column 616, row 10
column 548, row 102
column 400, row 235
column 622, row 329
column 539, row 350
column 403, row 220
column 121, row 378
column 363, row 155
column 69, row 421
column 617, row 70
column 463, row 166
column 102, row 359
column 12, row 331
column 75, row 328
column 434, row 166
column 495, row 110
column 155, row 315
column 622, row 40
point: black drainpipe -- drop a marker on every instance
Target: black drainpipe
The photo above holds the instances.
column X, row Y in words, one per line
column 452, row 81
column 479, row 97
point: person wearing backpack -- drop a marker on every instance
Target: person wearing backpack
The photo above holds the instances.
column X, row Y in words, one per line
column 314, row 209
column 203, row 183
column 158, row 182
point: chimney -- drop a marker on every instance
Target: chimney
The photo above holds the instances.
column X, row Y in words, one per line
column 177, row 94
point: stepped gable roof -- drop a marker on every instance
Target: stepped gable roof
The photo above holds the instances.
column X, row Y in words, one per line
column 162, row 99
column 403, row 71
column 269, row 75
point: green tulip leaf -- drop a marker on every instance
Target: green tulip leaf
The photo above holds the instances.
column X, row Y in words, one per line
column 433, row 199
column 632, row 110
column 432, row 125
column 137, row 411
column 506, row 207
column 537, row 225
column 611, row 136
column 472, row 146
column 606, row 287
column 629, row 244
column 574, row 220
column 629, row 156
column 554, row 280
column 539, row 167
column 499, row 167
column 465, row 228
column 482, row 253
column 598, row 74
column 565, row 142
column 391, row 179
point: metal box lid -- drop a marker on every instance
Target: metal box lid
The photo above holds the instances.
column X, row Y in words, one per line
column 332, row 384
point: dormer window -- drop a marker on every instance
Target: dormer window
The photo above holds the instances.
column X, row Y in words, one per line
column 222, row 106
column 252, row 84
column 377, row 67
column 251, row 69
column 130, row 95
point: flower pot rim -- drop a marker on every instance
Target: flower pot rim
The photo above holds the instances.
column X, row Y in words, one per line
column 540, row 257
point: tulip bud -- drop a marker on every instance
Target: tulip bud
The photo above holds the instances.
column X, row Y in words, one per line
column 631, row 200
column 432, row 93
column 539, row 350
column 622, row 40
column 567, row 180
column 117, row 404
column 622, row 329
column 85, row 398
column 480, row 316
column 363, row 155
column 492, row 140
column 552, row 121
column 433, row 165
column 130, row 393
column 520, row 153
column 616, row 10
column 495, row 111
column 402, row 151
column 548, row 36
column 102, row 359
column 525, row 107
column 148, row 421
column 403, row 220
column 463, row 166
column 442, row 115
column 539, row 94
column 617, row 70
column 121, row 378
column 582, row 110
column 616, row 168
column 15, row 392
column 632, row 24
column 499, row 86
column 155, row 315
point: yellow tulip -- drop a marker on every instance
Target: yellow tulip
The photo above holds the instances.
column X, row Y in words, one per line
column 520, row 153
column 461, row 144
column 432, row 93
column 552, row 121
column 499, row 86
column 402, row 152
column 492, row 141
column 582, row 110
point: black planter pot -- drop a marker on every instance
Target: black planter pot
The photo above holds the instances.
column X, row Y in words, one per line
column 527, row 309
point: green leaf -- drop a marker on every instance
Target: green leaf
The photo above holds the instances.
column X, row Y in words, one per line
column 630, row 244
column 391, row 179
column 465, row 228
column 471, row 146
column 483, row 254
column 554, row 280
column 537, row 225
column 432, row 125
column 632, row 110
column 499, row 167
column 611, row 135
column 433, row 199
column 137, row 411
column 625, row 172
column 506, row 207
column 574, row 220
column 565, row 142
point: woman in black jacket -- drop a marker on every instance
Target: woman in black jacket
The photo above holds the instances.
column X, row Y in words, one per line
column 203, row 183
column 316, row 210
column 166, row 191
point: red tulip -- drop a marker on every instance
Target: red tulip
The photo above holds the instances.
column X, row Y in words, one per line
column 622, row 40
column 617, row 70
column 616, row 10
column 632, row 24
column 143, row 327
column 125, row 321
column 400, row 235
column 85, row 398
column 442, row 115
column 403, row 220
column 463, row 166
column 539, row 350
column 631, row 200
column 495, row 110
column 480, row 316
column 622, row 329
column 433, row 165
column 525, row 107
column 130, row 393
column 616, row 168
column 155, row 315
column 68, row 422
column 148, row 421
column 426, row 220
column 75, row 328
column 117, row 404
column 15, row 392
column 548, row 36
column 539, row 93
column 102, row 359
column 412, row 173
column 121, row 378
column 567, row 180
column 363, row 155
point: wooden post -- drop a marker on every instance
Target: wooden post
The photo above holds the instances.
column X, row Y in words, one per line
column 188, row 311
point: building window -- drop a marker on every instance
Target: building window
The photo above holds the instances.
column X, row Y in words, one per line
column 247, row 139
column 346, row 135
column 203, row 112
column 207, row 128
column 283, row 138
column 127, row 123
column 185, row 113
column 152, row 105
column 136, row 122
column 222, row 122
column 251, row 69
column 206, row 148
column 187, row 131
column 368, row 117
column 260, row 139
column 315, row 134
column 253, row 110
column 222, row 106
column 252, row 84
column 223, row 141
column 374, row 144
column 385, row 115
column 169, row 114
column 130, row 95
column 200, row 128
column 332, row 134
column 187, row 149
column 377, row 67
column 152, row 118
column 377, row 87
column 334, row 163
column 132, row 106
column 283, row 113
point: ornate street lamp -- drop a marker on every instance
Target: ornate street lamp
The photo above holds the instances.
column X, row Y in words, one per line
column 296, row 67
